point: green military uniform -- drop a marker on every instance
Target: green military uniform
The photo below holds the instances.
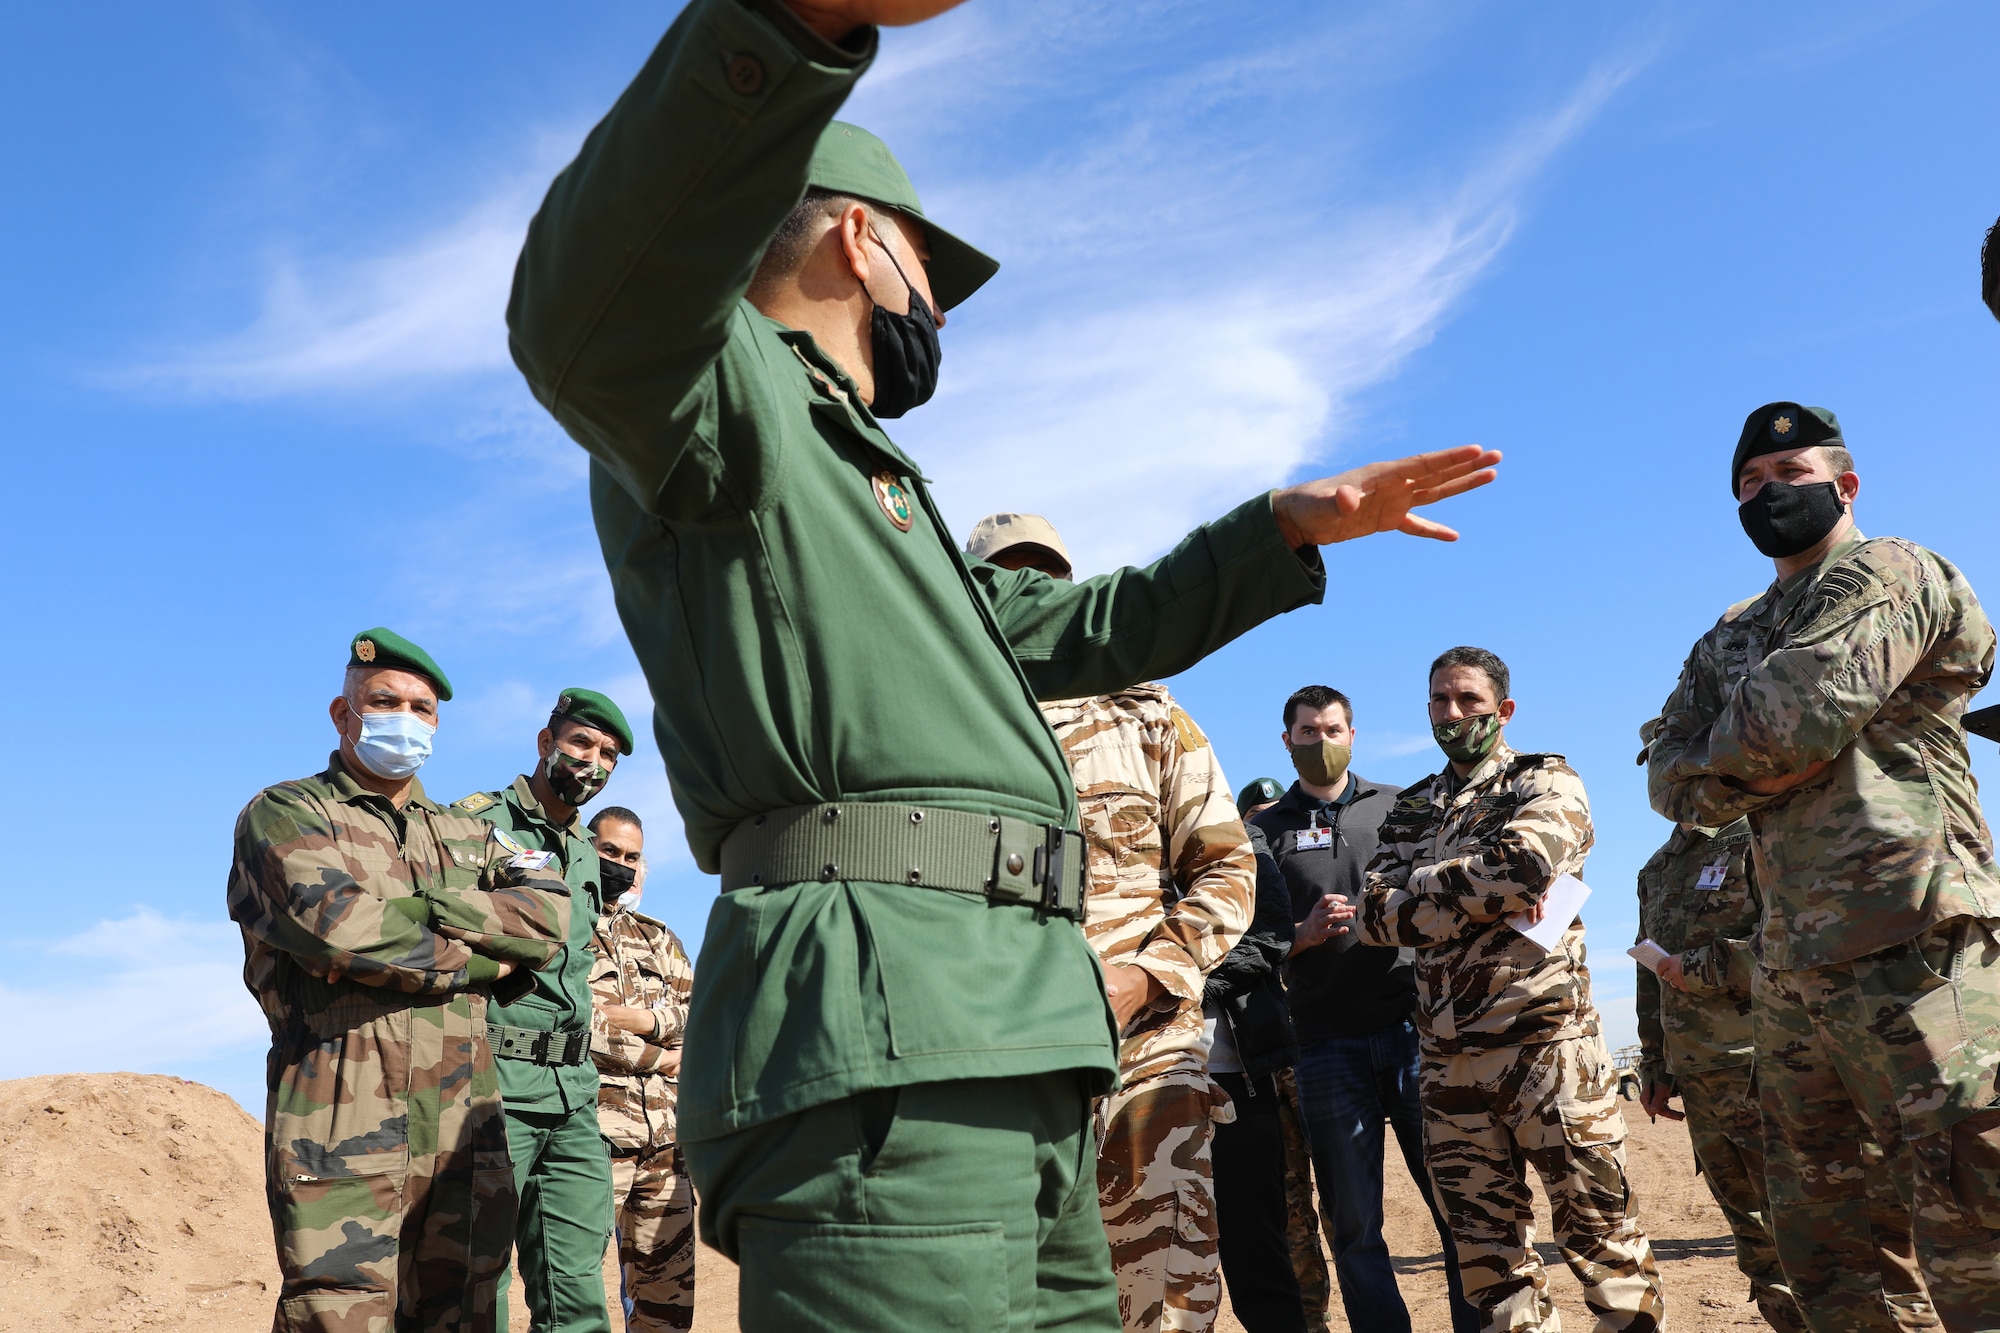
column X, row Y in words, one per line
column 542, row 1042
column 887, row 1072
column 1879, row 990
column 372, row 934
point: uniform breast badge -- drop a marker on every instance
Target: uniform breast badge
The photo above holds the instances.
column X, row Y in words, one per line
column 894, row 499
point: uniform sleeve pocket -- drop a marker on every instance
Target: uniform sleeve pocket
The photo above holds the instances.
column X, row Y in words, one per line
column 849, row 1276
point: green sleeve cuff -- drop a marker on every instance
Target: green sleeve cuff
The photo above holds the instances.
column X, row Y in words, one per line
column 1248, row 535
column 857, row 50
column 481, row 972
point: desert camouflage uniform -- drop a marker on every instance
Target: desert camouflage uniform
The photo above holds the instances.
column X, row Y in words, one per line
column 1514, row 1072
column 1879, row 991
column 369, row 936
column 1172, row 878
column 640, row 963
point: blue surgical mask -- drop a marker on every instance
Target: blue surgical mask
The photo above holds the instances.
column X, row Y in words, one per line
column 392, row 745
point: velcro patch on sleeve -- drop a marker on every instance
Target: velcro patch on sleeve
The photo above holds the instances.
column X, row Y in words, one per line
column 1190, row 734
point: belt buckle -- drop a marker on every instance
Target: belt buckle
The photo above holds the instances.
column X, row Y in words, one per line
column 1051, row 859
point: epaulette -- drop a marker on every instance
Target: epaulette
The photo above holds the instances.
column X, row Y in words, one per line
column 476, row 802
column 1547, row 759
column 1184, row 727
column 649, row 920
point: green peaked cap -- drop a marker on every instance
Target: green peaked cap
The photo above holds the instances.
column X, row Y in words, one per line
column 594, row 710
column 381, row 647
column 850, row 160
column 1776, row 427
column 1258, row 791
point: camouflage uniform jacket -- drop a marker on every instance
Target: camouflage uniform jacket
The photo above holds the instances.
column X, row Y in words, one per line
column 1698, row 899
column 1454, row 859
column 640, row 963
column 1867, row 662
column 1172, row 876
column 413, row 908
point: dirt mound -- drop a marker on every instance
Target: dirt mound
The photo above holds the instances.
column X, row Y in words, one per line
column 137, row 1201
column 131, row 1201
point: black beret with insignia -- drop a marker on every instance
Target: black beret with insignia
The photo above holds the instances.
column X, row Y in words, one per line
column 381, row 647
column 1776, row 427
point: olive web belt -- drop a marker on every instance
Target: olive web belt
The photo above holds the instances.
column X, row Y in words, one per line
column 991, row 856
column 538, row 1045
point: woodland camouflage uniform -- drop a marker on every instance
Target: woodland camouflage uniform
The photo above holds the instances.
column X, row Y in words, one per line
column 386, row 1166
column 1172, row 878
column 641, row 963
column 1879, row 991
column 1514, row 1072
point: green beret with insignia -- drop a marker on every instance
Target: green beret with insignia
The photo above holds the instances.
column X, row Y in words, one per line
column 381, row 647
column 594, row 710
column 1259, row 791
column 1776, row 427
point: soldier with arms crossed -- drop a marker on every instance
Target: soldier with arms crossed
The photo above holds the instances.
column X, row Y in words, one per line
column 898, row 1026
column 375, row 924
column 1828, row 711
column 641, row 980
column 1514, row 1073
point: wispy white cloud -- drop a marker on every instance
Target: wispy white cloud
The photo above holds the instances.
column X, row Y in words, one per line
column 143, row 992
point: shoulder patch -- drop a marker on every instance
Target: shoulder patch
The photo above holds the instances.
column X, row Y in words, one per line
column 1544, row 760
column 506, row 840
column 476, row 802
column 1184, row 727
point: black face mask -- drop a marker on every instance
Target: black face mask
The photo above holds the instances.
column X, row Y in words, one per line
column 618, row 878
column 906, row 352
column 1783, row 520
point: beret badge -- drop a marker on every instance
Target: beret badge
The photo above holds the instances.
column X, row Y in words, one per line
column 365, row 649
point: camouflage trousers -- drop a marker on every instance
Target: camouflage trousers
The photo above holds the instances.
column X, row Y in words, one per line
column 1489, row 1116
column 1156, row 1190
column 655, row 1202
column 1901, row 1047
column 1301, row 1209
column 1727, row 1132
column 392, row 1213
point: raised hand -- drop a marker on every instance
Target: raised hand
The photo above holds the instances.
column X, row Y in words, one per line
column 834, row 19
column 1379, row 497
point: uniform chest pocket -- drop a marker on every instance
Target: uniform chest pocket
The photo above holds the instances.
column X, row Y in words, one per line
column 1486, row 817
column 1121, row 827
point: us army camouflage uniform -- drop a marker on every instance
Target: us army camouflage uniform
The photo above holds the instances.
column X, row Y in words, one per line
column 1172, row 878
column 1880, row 985
column 640, row 963
column 370, row 935
column 1514, row 1072
column 1301, row 1209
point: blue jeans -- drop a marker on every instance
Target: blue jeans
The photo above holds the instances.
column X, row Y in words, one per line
column 1347, row 1087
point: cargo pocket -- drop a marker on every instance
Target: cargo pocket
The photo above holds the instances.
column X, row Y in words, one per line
column 1194, row 1215
column 835, row 1276
column 1958, row 1183
column 337, row 1234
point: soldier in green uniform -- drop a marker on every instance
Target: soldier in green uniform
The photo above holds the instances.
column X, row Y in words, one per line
column 896, row 1026
column 1828, row 711
column 375, row 924
column 542, row 1040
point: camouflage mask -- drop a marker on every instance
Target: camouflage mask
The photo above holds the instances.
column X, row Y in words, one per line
column 1469, row 739
column 574, row 780
column 1323, row 763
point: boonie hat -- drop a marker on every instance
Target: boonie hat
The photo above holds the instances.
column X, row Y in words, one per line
column 999, row 532
column 381, row 647
column 594, row 710
column 1258, row 791
column 1776, row 427
column 850, row 160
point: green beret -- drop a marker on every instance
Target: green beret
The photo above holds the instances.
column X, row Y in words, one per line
column 594, row 710
column 1258, row 791
column 849, row 160
column 380, row 647
column 1776, row 427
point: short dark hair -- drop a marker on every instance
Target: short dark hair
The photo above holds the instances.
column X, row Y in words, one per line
column 615, row 813
column 1316, row 696
column 1989, row 270
column 785, row 253
column 1495, row 669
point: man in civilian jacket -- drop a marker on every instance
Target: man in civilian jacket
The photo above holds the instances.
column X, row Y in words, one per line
column 1352, row 1005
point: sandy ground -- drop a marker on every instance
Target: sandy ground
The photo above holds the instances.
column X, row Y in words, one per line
column 136, row 1201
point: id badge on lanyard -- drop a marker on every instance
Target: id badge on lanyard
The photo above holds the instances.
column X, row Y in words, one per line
column 1313, row 839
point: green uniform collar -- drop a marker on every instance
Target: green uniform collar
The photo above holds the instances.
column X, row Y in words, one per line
column 521, row 795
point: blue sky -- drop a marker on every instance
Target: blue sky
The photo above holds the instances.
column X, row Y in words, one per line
column 254, row 260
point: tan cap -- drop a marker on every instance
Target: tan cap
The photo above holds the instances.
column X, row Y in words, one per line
column 996, row 532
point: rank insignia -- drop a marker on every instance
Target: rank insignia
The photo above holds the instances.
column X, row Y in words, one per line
column 894, row 498
column 365, row 649
column 1782, row 427
column 476, row 802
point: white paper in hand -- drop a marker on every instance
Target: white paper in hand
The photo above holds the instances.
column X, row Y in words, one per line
column 1649, row 954
column 1564, row 900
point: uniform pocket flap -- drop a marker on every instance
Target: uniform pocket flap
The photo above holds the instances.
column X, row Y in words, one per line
column 841, row 1276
